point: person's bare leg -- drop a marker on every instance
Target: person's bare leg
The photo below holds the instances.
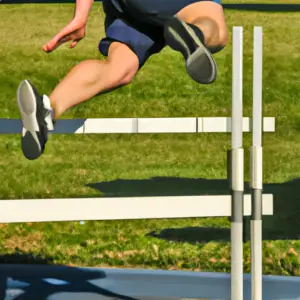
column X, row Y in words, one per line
column 209, row 17
column 91, row 77
column 197, row 31
column 84, row 81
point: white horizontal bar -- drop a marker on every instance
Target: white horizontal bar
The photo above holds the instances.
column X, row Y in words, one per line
column 126, row 125
column 221, row 124
column 167, row 125
column 140, row 125
column 71, row 209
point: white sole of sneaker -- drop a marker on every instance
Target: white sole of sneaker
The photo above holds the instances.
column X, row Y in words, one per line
column 202, row 58
column 27, row 106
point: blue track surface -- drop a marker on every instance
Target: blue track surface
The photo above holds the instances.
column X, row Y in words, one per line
column 50, row 282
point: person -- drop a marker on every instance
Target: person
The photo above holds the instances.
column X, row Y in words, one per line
column 135, row 30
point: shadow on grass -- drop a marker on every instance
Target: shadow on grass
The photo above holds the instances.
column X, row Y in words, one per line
column 283, row 225
column 27, row 277
column 193, row 235
column 24, row 258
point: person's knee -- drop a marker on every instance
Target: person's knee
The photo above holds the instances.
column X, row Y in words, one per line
column 121, row 74
column 220, row 42
column 223, row 37
column 127, row 75
column 215, row 35
column 122, row 65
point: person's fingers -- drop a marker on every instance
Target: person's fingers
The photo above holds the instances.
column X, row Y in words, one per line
column 73, row 44
column 56, row 42
column 68, row 33
column 75, row 40
column 60, row 38
column 51, row 45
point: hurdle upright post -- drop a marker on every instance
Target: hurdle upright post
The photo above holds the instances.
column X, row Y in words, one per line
column 256, row 169
column 237, row 166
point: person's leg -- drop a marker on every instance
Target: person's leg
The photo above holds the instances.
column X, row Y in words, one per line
column 84, row 81
column 127, row 45
column 197, row 31
column 92, row 77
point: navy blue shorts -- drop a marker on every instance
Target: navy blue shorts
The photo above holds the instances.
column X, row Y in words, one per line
column 142, row 38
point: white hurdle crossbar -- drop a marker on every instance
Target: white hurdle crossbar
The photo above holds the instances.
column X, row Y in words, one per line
column 123, row 208
column 140, row 125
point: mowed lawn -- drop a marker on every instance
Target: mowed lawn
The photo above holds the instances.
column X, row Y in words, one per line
column 137, row 165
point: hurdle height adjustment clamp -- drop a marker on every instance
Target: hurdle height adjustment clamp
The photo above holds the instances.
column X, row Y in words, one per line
column 256, row 159
column 237, row 183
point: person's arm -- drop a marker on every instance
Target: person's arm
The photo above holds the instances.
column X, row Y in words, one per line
column 82, row 10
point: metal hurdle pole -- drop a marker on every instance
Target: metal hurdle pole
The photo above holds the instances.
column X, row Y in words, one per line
column 237, row 166
column 256, row 167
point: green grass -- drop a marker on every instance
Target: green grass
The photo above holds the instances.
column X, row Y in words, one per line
column 123, row 165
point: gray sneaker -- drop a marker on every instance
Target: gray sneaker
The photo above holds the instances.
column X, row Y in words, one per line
column 200, row 63
column 36, row 118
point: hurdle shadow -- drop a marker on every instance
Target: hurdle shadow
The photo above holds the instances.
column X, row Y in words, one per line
column 43, row 278
column 283, row 225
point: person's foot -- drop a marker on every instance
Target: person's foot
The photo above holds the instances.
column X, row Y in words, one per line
column 181, row 37
column 36, row 115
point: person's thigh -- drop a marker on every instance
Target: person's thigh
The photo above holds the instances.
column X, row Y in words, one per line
column 212, row 11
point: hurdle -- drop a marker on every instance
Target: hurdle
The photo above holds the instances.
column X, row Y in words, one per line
column 178, row 284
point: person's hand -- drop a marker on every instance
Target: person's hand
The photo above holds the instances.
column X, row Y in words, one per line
column 74, row 32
